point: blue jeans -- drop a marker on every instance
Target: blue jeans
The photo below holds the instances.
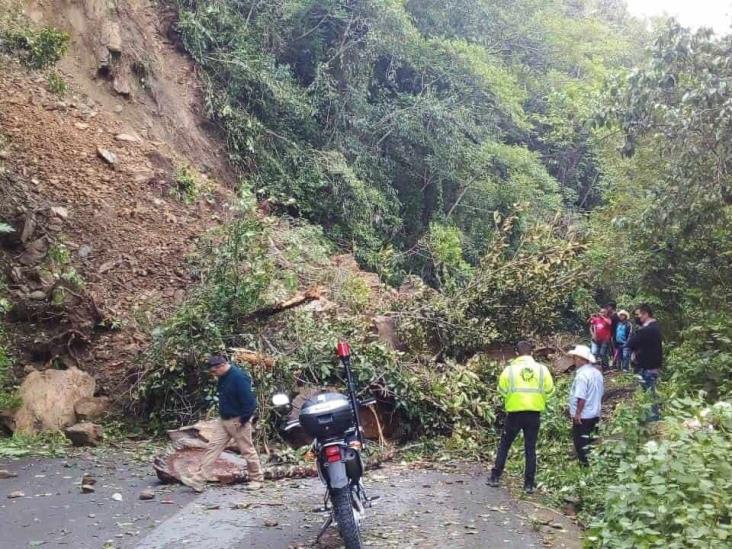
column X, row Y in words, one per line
column 648, row 382
column 600, row 350
column 624, row 358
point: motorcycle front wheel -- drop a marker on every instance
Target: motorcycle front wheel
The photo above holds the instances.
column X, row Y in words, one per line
column 340, row 498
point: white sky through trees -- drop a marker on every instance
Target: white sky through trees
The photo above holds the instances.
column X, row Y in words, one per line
column 716, row 14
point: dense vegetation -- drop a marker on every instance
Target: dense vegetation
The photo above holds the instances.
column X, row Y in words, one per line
column 515, row 164
column 526, row 160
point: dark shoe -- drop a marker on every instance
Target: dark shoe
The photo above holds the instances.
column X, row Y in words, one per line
column 529, row 488
column 492, row 481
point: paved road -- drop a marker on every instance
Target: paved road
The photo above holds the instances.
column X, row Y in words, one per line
column 422, row 508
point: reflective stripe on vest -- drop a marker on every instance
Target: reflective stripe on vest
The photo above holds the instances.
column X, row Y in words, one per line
column 512, row 382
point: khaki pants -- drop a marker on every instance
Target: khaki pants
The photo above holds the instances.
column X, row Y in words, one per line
column 242, row 435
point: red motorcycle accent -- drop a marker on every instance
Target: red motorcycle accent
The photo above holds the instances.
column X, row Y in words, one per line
column 343, row 349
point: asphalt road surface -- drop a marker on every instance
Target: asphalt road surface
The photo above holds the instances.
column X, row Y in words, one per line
column 418, row 507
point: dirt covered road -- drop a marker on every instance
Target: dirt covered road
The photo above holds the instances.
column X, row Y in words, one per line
column 418, row 507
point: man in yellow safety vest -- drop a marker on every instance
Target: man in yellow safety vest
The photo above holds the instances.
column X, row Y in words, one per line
column 525, row 385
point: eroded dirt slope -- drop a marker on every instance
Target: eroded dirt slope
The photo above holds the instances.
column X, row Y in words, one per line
column 94, row 173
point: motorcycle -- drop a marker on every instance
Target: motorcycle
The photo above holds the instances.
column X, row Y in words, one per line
column 332, row 420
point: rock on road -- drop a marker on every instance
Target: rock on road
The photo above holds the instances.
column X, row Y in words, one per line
column 417, row 508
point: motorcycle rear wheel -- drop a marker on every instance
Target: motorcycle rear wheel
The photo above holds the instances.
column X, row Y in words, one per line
column 350, row 532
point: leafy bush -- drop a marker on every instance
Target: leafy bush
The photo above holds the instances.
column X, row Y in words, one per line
column 56, row 84
column 674, row 492
column 518, row 290
column 703, row 359
column 236, row 272
column 38, row 48
column 187, row 185
column 8, row 397
column 44, row 445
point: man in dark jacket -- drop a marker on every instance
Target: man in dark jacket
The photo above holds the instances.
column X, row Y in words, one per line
column 647, row 345
column 237, row 404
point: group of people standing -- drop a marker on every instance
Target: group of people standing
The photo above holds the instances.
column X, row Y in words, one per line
column 526, row 384
column 610, row 332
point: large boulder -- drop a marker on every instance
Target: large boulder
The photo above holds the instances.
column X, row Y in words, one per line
column 48, row 399
column 184, row 461
column 91, row 408
column 85, row 433
column 198, row 435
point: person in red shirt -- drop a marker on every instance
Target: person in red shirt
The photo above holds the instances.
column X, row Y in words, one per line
column 601, row 333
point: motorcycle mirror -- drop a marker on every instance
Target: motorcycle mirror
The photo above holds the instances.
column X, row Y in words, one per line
column 280, row 399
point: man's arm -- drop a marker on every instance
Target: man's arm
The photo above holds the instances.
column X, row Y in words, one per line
column 503, row 382
column 636, row 340
column 245, row 397
column 578, row 414
column 579, row 391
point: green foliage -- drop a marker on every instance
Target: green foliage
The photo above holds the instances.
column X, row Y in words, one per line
column 41, row 445
column 670, row 202
column 38, row 48
column 517, row 290
column 187, row 185
column 381, row 120
column 8, row 396
column 703, row 358
column 675, row 492
column 56, row 83
column 236, row 272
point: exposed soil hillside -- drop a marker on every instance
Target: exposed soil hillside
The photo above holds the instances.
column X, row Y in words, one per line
column 126, row 233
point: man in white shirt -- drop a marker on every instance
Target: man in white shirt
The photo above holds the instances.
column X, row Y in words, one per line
column 585, row 399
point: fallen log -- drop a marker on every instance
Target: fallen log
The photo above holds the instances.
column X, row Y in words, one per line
column 298, row 299
column 253, row 358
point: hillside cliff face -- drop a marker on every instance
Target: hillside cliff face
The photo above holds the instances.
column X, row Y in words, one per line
column 107, row 187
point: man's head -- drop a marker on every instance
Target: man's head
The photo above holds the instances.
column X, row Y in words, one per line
column 611, row 306
column 217, row 365
column 523, row 348
column 603, row 311
column 582, row 355
column 644, row 312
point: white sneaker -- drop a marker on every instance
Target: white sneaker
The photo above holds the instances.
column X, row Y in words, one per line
column 254, row 485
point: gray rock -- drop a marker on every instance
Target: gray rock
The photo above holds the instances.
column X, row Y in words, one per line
column 4, row 473
column 16, row 494
column 59, row 211
column 112, row 37
column 84, row 251
column 38, row 295
column 87, row 489
column 108, row 156
column 147, row 495
column 129, row 138
column 121, row 84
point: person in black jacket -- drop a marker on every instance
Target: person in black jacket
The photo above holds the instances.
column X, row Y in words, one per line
column 647, row 346
column 237, row 404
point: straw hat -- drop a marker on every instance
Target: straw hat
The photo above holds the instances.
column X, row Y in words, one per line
column 623, row 312
column 583, row 351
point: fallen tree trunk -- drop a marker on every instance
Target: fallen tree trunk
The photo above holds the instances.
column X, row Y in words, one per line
column 253, row 358
column 295, row 301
